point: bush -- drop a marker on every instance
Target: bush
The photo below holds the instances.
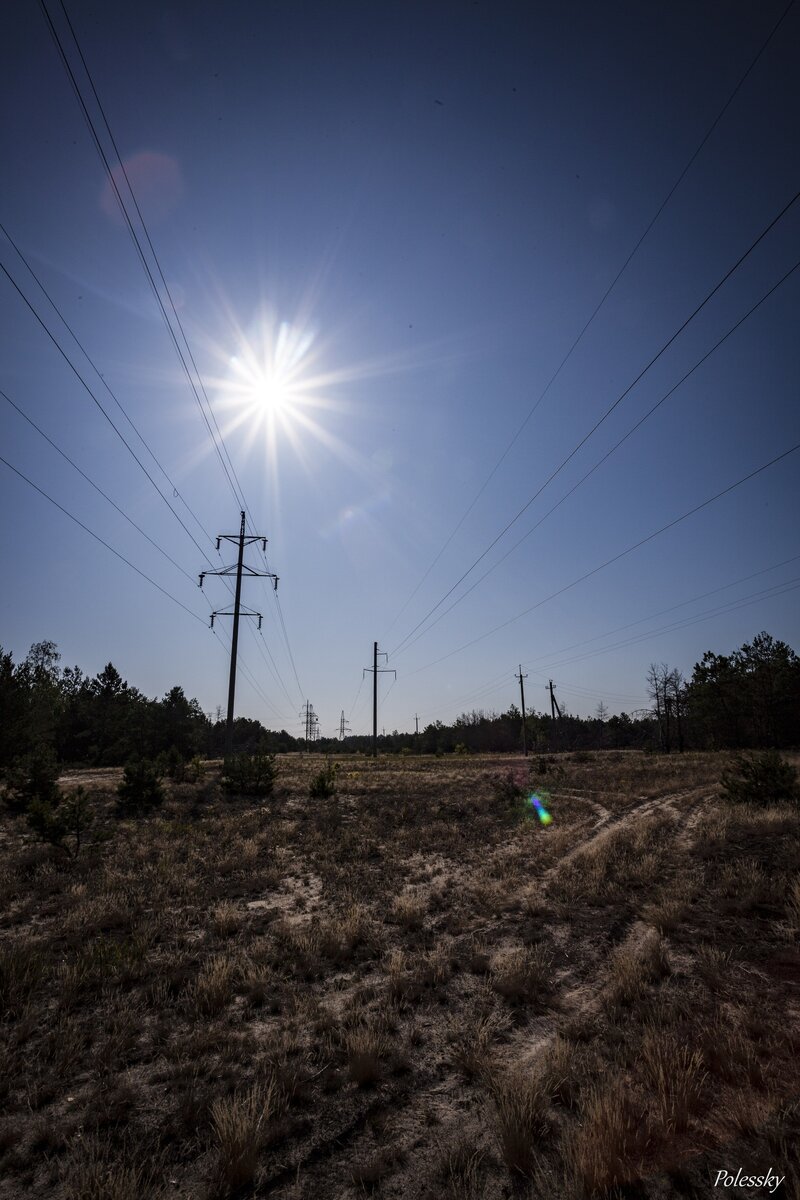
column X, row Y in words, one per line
column 509, row 791
column 195, row 771
column 140, row 790
column 53, row 823
column 32, row 780
column 249, row 774
column 762, row 779
column 172, row 764
column 323, row 785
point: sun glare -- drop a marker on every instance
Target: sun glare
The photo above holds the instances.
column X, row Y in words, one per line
column 269, row 373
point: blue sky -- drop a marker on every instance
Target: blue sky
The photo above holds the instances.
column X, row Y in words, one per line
column 430, row 201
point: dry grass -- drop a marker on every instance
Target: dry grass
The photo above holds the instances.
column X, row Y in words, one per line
column 676, row 1076
column 639, row 961
column 410, row 992
column 241, row 1126
column 522, row 1119
column 611, row 1142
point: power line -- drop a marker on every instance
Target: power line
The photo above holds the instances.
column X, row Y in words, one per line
column 615, row 558
column 599, row 463
column 608, row 411
column 103, row 410
column 96, row 486
column 97, row 538
column 218, row 441
column 596, row 310
column 663, row 611
column 129, row 223
column 251, row 680
column 100, row 376
column 778, row 589
column 497, row 682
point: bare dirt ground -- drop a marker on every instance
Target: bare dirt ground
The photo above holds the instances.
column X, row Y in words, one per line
column 410, row 989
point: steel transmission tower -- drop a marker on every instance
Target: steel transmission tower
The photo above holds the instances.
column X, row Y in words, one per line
column 241, row 540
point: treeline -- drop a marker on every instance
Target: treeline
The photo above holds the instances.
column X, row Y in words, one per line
column 103, row 721
column 748, row 699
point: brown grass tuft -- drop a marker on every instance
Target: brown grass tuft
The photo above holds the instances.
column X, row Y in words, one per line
column 522, row 975
column 522, row 1119
column 610, row 1145
column 240, row 1124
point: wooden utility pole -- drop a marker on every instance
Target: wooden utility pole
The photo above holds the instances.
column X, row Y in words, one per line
column 376, row 671
column 553, row 702
column 522, row 698
column 241, row 540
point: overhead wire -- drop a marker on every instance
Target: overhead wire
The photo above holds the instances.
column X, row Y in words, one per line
column 126, row 216
column 778, row 589
column 663, row 611
column 96, row 486
column 122, row 513
column 600, row 304
column 497, row 681
column 616, row 557
column 99, row 404
column 216, row 435
column 100, row 375
column 742, row 258
column 601, row 460
column 102, row 541
column 218, row 441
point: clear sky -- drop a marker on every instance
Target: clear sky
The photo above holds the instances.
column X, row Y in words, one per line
column 383, row 227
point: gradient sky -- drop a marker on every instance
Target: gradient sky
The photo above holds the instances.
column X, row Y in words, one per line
column 430, row 200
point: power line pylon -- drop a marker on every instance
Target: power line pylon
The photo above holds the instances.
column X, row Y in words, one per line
column 522, row 697
column 375, row 670
column 344, row 728
column 310, row 721
column 241, row 540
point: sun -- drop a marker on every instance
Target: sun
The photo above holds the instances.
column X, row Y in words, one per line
column 268, row 374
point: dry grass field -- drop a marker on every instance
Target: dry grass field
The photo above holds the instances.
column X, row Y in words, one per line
column 406, row 990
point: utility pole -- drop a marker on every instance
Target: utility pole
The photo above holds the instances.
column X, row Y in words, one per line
column 553, row 702
column 416, row 733
column 667, row 715
column 522, row 697
column 241, row 540
column 376, row 671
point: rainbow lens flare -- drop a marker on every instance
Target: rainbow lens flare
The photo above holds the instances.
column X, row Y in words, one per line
column 537, row 803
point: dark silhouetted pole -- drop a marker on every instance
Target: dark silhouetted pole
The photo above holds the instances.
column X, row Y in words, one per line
column 553, row 702
column 241, row 540
column 234, row 643
column 522, row 697
column 375, row 700
column 376, row 671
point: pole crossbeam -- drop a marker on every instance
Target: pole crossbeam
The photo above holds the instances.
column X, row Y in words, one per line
column 241, row 569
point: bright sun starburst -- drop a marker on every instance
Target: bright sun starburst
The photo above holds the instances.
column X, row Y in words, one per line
column 272, row 376
column 277, row 388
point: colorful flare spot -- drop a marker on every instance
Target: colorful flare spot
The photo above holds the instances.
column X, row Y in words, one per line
column 537, row 803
